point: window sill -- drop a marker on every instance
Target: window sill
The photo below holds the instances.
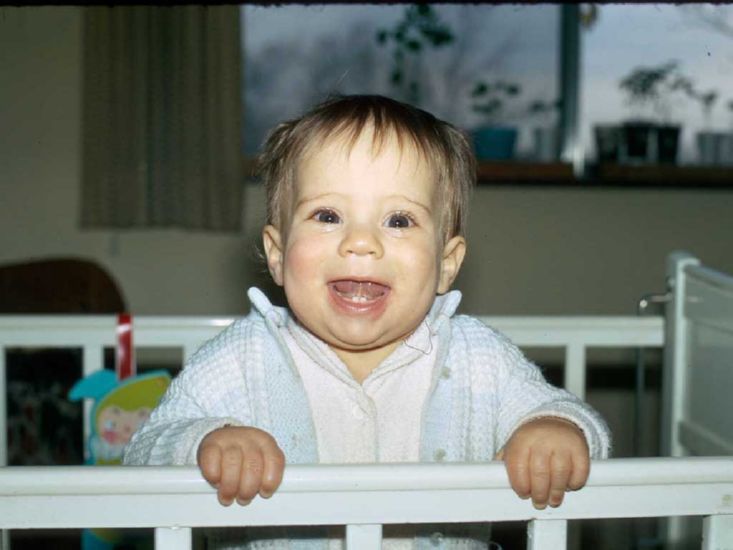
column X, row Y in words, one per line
column 605, row 174
column 665, row 175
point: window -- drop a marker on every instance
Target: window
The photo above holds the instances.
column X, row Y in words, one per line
column 296, row 55
column 698, row 38
column 501, row 67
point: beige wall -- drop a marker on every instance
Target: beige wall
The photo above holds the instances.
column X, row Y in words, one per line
column 533, row 250
column 587, row 251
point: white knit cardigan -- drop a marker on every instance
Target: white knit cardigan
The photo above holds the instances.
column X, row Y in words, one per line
column 482, row 390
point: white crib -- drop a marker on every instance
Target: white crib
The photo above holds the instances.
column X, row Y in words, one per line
column 698, row 373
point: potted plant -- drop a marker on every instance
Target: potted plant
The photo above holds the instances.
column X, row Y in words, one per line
column 725, row 141
column 728, row 151
column 649, row 137
column 493, row 138
column 710, row 144
column 546, row 134
column 418, row 30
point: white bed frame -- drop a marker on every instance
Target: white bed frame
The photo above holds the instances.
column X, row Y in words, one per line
column 698, row 373
column 698, row 389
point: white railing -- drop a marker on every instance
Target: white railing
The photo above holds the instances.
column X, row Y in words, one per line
column 577, row 334
column 92, row 333
column 174, row 500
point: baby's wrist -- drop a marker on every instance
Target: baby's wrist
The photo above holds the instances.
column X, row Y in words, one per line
column 558, row 419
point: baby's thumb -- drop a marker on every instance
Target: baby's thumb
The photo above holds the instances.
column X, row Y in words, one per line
column 499, row 455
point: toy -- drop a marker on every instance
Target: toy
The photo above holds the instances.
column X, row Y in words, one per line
column 120, row 406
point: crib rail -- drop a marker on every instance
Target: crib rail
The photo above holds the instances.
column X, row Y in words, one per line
column 173, row 500
column 92, row 333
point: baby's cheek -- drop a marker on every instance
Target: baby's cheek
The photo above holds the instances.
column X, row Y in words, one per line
column 303, row 262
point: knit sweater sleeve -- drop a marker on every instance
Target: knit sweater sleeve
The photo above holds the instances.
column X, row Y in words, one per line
column 209, row 393
column 522, row 394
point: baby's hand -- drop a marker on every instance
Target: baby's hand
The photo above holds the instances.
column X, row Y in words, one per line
column 544, row 458
column 241, row 462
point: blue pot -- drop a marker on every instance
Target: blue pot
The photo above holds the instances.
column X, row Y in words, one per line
column 494, row 142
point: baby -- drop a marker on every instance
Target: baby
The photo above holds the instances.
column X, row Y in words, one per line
column 367, row 201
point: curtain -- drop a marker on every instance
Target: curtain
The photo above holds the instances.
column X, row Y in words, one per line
column 161, row 119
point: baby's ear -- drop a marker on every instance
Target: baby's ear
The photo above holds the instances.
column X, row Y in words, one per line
column 272, row 242
column 453, row 254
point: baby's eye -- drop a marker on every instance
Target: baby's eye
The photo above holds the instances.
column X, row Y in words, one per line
column 400, row 220
column 326, row 216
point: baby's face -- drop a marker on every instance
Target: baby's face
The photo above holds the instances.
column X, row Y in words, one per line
column 362, row 257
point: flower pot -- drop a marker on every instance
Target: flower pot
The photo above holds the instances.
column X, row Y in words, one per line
column 644, row 142
column 638, row 143
column 608, row 142
column 668, row 140
column 546, row 143
column 707, row 147
column 727, row 154
column 715, row 148
column 494, row 142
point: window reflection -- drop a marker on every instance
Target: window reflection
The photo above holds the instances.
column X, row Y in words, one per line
column 500, row 68
column 688, row 48
column 497, row 68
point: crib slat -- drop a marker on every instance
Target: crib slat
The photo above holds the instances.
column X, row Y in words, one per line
column 575, row 369
column 3, row 409
column 717, row 533
column 92, row 361
column 547, row 534
column 4, row 534
column 173, row 538
column 366, row 537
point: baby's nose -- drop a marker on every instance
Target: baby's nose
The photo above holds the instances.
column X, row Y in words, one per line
column 361, row 241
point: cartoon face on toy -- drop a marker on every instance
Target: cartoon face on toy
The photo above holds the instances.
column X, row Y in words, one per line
column 120, row 408
column 116, row 425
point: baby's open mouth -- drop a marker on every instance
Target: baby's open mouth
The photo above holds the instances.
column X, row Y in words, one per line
column 359, row 291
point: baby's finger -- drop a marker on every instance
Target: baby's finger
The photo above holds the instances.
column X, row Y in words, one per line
column 561, row 467
column 209, row 460
column 231, row 465
column 250, row 480
column 581, row 471
column 274, row 465
column 540, row 479
column 517, row 466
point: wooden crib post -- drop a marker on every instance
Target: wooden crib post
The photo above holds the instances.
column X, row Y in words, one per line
column 717, row 533
column 173, row 538
column 547, row 534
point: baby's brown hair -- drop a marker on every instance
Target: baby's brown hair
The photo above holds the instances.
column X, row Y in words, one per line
column 436, row 141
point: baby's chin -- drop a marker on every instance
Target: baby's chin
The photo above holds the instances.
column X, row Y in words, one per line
column 358, row 344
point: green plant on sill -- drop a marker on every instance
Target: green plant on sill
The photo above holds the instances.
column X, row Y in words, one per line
column 544, row 109
column 654, row 86
column 490, row 98
column 707, row 100
column 419, row 29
